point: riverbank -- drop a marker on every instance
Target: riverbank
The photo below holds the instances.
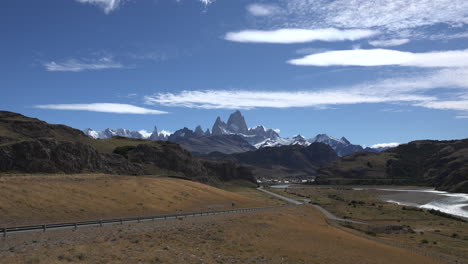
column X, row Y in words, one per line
column 398, row 225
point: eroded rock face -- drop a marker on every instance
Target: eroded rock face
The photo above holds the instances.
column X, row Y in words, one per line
column 46, row 155
column 169, row 156
column 236, row 123
column 49, row 156
column 442, row 164
column 229, row 170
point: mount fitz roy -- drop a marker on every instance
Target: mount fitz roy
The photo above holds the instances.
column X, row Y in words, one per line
column 231, row 137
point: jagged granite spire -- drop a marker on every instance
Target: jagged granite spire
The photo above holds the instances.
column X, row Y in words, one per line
column 155, row 134
column 199, row 131
column 218, row 127
column 236, row 123
column 345, row 140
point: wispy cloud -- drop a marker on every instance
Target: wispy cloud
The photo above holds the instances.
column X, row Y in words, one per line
column 107, row 5
column 207, row 2
column 388, row 15
column 386, row 145
column 243, row 99
column 383, row 57
column 461, row 105
column 103, row 108
column 296, row 35
column 413, row 91
column 262, row 9
column 75, row 65
column 388, row 42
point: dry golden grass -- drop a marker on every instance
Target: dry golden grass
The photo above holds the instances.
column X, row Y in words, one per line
column 61, row 198
column 288, row 235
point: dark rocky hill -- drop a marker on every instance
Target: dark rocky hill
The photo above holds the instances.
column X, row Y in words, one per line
column 16, row 127
column 442, row 164
column 215, row 143
column 284, row 161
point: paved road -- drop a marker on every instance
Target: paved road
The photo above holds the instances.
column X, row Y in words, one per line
column 289, row 200
column 327, row 214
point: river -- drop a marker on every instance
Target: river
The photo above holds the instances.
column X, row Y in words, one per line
column 450, row 203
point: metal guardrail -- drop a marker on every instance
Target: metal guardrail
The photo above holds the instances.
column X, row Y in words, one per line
column 5, row 231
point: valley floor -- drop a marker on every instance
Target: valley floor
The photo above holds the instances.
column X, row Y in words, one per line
column 407, row 227
column 299, row 234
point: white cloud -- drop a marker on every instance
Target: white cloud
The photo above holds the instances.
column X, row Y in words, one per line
column 386, row 145
column 461, row 105
column 243, row 99
column 391, row 15
column 107, row 5
column 262, row 9
column 74, row 65
column 461, row 117
column 111, row 5
column 103, row 108
column 388, row 42
column 297, row 35
column 383, row 57
column 207, row 2
column 413, row 91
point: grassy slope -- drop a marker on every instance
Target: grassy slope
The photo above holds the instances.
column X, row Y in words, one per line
column 18, row 128
column 108, row 145
column 60, row 198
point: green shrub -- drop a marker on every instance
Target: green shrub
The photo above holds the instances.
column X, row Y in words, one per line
column 123, row 150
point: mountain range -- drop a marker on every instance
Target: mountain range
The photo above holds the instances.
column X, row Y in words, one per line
column 232, row 137
column 29, row 145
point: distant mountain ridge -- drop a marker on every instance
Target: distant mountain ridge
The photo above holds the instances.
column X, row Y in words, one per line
column 292, row 161
column 120, row 132
column 220, row 138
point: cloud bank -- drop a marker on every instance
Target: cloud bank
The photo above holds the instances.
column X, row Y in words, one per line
column 413, row 91
column 243, row 99
column 297, row 35
column 103, row 108
column 385, row 57
column 388, row 15
column 74, row 65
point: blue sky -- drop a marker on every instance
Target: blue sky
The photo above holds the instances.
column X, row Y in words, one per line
column 373, row 71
